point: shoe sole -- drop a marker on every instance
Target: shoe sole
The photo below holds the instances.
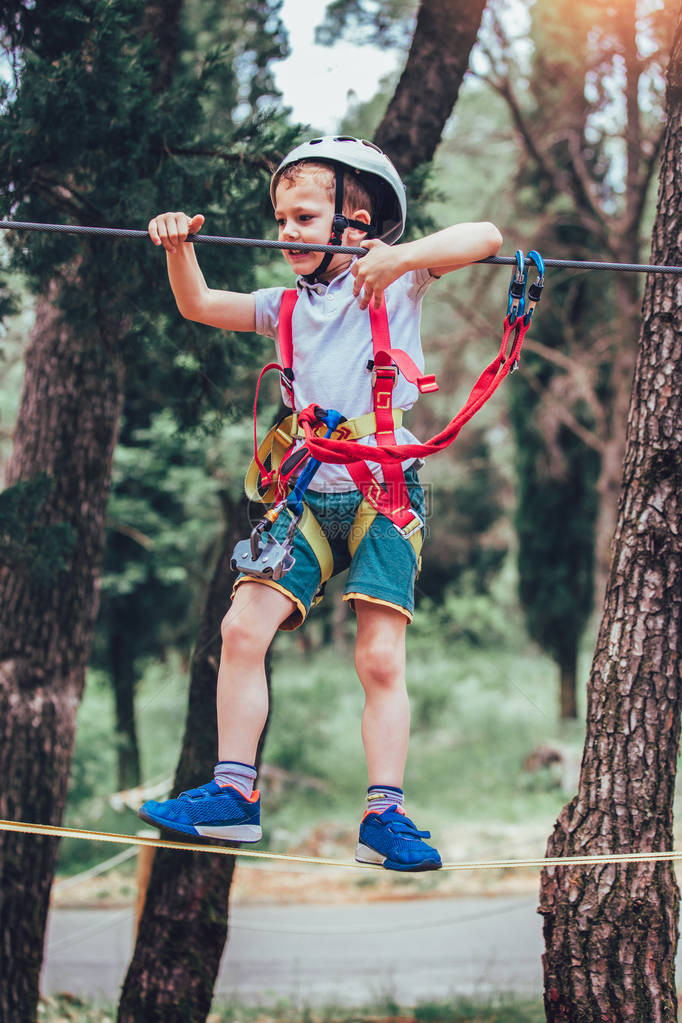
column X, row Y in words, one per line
column 235, row 832
column 365, row 854
column 228, row 832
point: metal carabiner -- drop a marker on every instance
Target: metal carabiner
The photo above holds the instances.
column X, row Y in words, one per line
column 517, row 288
column 535, row 290
column 331, row 419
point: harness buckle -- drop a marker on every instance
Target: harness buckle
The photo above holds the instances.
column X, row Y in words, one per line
column 384, row 372
column 412, row 527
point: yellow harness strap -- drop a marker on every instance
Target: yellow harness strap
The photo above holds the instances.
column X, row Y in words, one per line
column 364, row 518
column 312, row 531
column 271, row 452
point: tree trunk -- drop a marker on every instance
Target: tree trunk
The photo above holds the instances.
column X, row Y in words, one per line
column 413, row 124
column 568, row 703
column 183, row 927
column 66, row 429
column 622, row 368
column 122, row 663
column 611, row 931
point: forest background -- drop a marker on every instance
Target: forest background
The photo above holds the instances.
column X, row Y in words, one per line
column 519, row 507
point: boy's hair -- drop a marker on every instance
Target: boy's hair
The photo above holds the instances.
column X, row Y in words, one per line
column 355, row 195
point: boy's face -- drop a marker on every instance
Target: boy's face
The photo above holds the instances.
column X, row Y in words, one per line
column 304, row 212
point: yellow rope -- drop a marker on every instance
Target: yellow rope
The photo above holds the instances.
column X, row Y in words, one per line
column 159, row 843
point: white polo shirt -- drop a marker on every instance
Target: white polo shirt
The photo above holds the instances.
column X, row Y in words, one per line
column 332, row 342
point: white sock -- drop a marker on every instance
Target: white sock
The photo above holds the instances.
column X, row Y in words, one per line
column 380, row 797
column 233, row 772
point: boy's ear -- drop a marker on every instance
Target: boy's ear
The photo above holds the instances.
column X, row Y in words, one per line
column 364, row 217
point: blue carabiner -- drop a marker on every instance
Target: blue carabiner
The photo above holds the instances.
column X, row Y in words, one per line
column 517, row 288
column 535, row 258
column 294, row 503
column 535, row 290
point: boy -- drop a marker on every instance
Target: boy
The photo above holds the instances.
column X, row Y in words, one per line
column 336, row 190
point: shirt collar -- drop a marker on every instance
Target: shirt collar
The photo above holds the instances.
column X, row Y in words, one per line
column 320, row 287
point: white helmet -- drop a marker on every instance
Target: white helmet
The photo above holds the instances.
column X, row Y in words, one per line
column 374, row 170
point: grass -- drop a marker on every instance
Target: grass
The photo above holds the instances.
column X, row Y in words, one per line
column 67, row 1009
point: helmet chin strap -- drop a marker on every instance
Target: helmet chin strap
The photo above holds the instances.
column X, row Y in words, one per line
column 339, row 225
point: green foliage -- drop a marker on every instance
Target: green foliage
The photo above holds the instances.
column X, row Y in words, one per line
column 91, row 780
column 88, row 135
column 557, row 471
column 465, row 495
column 161, row 705
column 28, row 546
column 385, row 23
column 66, row 1008
column 164, row 519
column 555, row 522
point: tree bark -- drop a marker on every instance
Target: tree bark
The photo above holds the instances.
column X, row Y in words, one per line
column 568, row 701
column 620, row 383
column 67, row 428
column 413, row 124
column 183, row 927
column 611, row 932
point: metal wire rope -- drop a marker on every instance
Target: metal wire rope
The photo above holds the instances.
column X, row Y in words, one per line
column 353, row 250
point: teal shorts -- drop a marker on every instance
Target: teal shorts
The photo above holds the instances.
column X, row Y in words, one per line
column 382, row 570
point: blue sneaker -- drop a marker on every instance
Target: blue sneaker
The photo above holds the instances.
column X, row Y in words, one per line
column 392, row 840
column 211, row 811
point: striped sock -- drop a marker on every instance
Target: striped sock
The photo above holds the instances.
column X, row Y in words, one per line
column 380, row 797
column 233, row 772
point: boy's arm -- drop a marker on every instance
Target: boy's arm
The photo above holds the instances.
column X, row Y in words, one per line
column 439, row 253
column 229, row 310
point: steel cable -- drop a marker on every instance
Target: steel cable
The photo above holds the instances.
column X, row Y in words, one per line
column 353, row 250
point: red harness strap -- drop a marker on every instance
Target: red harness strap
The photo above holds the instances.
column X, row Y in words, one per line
column 392, row 500
column 342, row 452
column 286, row 342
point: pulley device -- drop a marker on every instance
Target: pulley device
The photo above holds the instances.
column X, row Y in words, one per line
column 286, row 461
column 263, row 555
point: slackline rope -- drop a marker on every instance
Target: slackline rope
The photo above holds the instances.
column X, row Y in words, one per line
column 48, row 831
column 262, row 243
